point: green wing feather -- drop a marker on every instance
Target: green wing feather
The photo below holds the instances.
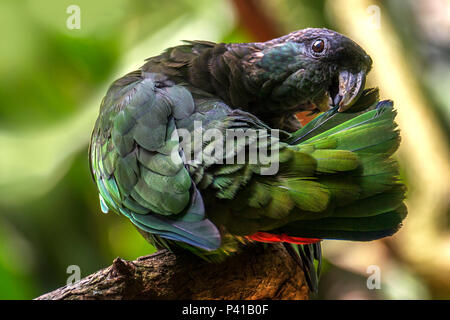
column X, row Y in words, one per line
column 333, row 179
column 137, row 162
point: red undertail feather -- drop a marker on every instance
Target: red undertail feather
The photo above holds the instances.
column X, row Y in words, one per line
column 305, row 116
column 268, row 237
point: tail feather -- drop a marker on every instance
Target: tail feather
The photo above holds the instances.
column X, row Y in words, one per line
column 332, row 119
column 305, row 255
column 357, row 229
column 355, row 170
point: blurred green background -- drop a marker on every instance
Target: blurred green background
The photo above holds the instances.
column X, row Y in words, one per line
column 52, row 79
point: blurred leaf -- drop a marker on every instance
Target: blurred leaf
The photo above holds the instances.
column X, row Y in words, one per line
column 35, row 158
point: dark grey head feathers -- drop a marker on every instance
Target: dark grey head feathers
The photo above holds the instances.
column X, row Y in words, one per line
column 310, row 68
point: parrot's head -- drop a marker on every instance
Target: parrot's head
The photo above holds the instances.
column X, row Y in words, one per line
column 317, row 67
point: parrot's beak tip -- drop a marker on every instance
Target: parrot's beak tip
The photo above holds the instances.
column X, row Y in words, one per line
column 351, row 85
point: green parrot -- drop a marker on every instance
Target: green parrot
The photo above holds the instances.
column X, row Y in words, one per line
column 202, row 151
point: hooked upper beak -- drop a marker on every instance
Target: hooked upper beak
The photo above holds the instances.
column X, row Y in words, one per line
column 350, row 87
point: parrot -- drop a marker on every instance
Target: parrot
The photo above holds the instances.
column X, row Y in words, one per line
column 201, row 149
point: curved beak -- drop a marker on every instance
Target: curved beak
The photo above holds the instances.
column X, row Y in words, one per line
column 351, row 85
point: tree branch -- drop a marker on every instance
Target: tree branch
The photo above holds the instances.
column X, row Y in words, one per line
column 256, row 273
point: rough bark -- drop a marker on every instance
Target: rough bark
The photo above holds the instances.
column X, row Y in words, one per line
column 256, row 273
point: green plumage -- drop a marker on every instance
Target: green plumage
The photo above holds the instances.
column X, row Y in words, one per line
column 174, row 147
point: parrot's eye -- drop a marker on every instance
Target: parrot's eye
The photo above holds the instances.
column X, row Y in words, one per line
column 318, row 46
